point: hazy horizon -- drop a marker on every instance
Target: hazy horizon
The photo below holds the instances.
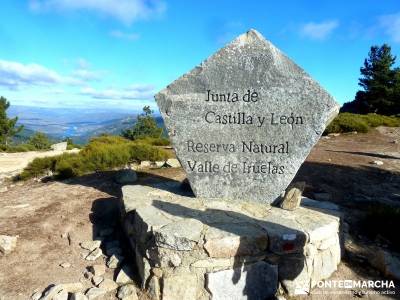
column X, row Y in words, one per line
column 118, row 54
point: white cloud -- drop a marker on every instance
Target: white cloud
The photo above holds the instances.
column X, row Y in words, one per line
column 134, row 92
column 84, row 72
column 125, row 11
column 319, row 31
column 391, row 25
column 14, row 75
column 124, row 35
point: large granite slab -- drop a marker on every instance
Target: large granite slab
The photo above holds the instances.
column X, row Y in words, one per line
column 245, row 247
column 244, row 120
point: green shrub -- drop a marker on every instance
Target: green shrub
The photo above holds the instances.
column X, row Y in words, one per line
column 347, row 122
column 38, row 167
column 375, row 120
column 154, row 141
column 101, row 154
column 18, row 148
column 71, row 145
column 40, row 141
column 70, row 165
column 140, row 152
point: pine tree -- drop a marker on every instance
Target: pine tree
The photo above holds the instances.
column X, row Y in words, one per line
column 380, row 84
column 146, row 126
column 8, row 126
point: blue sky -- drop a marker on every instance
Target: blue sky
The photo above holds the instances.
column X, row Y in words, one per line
column 116, row 54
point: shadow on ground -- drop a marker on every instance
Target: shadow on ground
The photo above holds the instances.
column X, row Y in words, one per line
column 350, row 187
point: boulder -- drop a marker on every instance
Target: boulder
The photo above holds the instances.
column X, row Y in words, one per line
column 7, row 243
column 173, row 163
column 125, row 275
column 59, row 146
column 108, row 285
column 127, row 292
column 255, row 281
column 180, row 287
column 78, row 296
column 95, row 254
column 97, row 270
column 95, row 293
column 126, row 176
column 114, row 261
column 292, row 197
column 90, row 245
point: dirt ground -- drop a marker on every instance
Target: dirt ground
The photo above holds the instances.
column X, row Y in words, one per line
column 51, row 218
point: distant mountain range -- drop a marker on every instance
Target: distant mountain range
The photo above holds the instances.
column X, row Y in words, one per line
column 78, row 124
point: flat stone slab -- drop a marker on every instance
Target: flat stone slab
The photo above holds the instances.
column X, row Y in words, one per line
column 175, row 235
column 244, row 120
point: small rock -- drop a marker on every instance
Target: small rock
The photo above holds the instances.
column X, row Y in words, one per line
column 334, row 134
column 78, row 296
column 394, row 142
column 72, row 287
column 126, row 176
column 97, row 270
column 3, row 189
column 292, row 197
column 354, row 132
column 127, row 292
column 376, row 162
column 65, row 265
column 62, row 295
column 145, row 164
column 36, row 295
column 157, row 272
column 7, row 243
column 159, row 164
column 124, row 276
column 90, row 245
column 108, row 285
column 95, row 292
column 97, row 280
column 87, row 274
column 114, row 261
column 51, row 292
column 70, row 237
column 95, row 254
column 173, row 163
column 84, row 253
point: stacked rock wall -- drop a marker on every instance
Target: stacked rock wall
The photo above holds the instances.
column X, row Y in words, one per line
column 189, row 248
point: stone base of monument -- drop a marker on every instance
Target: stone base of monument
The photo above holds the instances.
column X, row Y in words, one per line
column 190, row 248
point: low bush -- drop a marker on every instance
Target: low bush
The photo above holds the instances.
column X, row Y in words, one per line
column 18, row 148
column 155, row 141
column 40, row 141
column 347, row 122
column 101, row 154
column 38, row 167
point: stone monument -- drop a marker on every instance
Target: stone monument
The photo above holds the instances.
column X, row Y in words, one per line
column 244, row 121
column 241, row 124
